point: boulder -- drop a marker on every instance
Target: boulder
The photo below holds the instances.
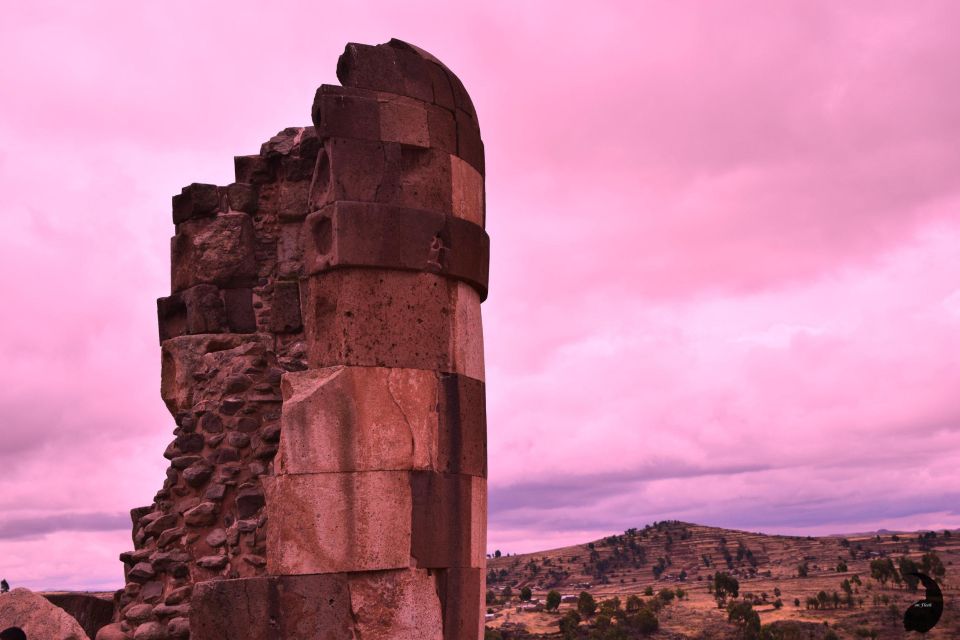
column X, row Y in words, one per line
column 38, row 617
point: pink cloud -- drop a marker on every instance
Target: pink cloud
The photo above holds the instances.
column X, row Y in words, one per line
column 723, row 279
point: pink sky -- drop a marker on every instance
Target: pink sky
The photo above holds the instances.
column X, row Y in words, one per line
column 725, row 279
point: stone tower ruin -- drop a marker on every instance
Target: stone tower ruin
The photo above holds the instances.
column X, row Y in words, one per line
column 322, row 356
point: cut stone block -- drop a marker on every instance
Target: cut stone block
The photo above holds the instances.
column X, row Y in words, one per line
column 462, row 595
column 383, row 172
column 449, row 520
column 342, row 419
column 218, row 250
column 206, row 309
column 285, row 311
column 468, row 191
column 195, row 201
column 355, row 234
column 400, row 319
column 462, row 444
column 315, row 607
column 333, row 522
column 396, row 605
column 342, row 112
column 403, row 120
column 469, row 144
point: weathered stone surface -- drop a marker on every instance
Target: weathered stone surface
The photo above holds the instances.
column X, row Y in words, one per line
column 141, row 572
column 195, row 201
column 462, row 592
column 396, row 605
column 340, row 112
column 150, row 631
column 467, row 192
column 449, row 520
column 335, row 522
column 218, row 250
column 92, row 612
column 314, row 607
column 343, row 419
column 409, row 320
column 203, row 514
column 285, row 314
column 38, row 617
column 352, row 234
column 371, row 418
column 112, row 632
column 385, row 173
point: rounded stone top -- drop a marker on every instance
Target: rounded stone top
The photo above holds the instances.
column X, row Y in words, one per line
column 404, row 69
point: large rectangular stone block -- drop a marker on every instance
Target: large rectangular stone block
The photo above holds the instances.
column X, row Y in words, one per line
column 217, row 250
column 357, row 234
column 462, row 595
column 333, row 522
column 396, row 605
column 345, row 112
column 383, row 172
column 314, row 607
column 449, row 520
column 341, row 419
column 378, row 318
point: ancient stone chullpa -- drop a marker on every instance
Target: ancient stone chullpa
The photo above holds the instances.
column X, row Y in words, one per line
column 322, row 356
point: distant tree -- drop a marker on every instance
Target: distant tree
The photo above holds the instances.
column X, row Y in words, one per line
column 908, row 571
column 634, row 603
column 803, row 569
column 648, row 591
column 492, row 634
column 932, row 565
column 725, row 585
column 497, row 554
column 645, row 621
column 526, row 594
column 491, row 597
column 742, row 614
column 680, row 593
column 882, row 570
column 778, row 604
column 553, row 600
column 507, row 592
column 586, row 604
column 4, row 586
column 568, row 624
column 796, row 602
column 682, row 575
column 946, row 533
column 666, row 595
column 841, row 567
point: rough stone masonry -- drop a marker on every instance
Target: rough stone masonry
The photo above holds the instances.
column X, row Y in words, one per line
column 322, row 355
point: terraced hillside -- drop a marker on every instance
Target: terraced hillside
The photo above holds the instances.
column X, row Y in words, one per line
column 768, row 568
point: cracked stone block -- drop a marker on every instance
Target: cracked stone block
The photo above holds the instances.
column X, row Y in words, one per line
column 218, row 250
column 449, row 520
column 341, row 419
column 314, row 607
column 333, row 522
column 396, row 605
column 356, row 234
column 399, row 319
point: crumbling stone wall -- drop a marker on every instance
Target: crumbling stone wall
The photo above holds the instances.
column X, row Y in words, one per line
column 322, row 355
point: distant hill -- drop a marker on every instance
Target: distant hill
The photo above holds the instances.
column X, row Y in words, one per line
column 780, row 575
